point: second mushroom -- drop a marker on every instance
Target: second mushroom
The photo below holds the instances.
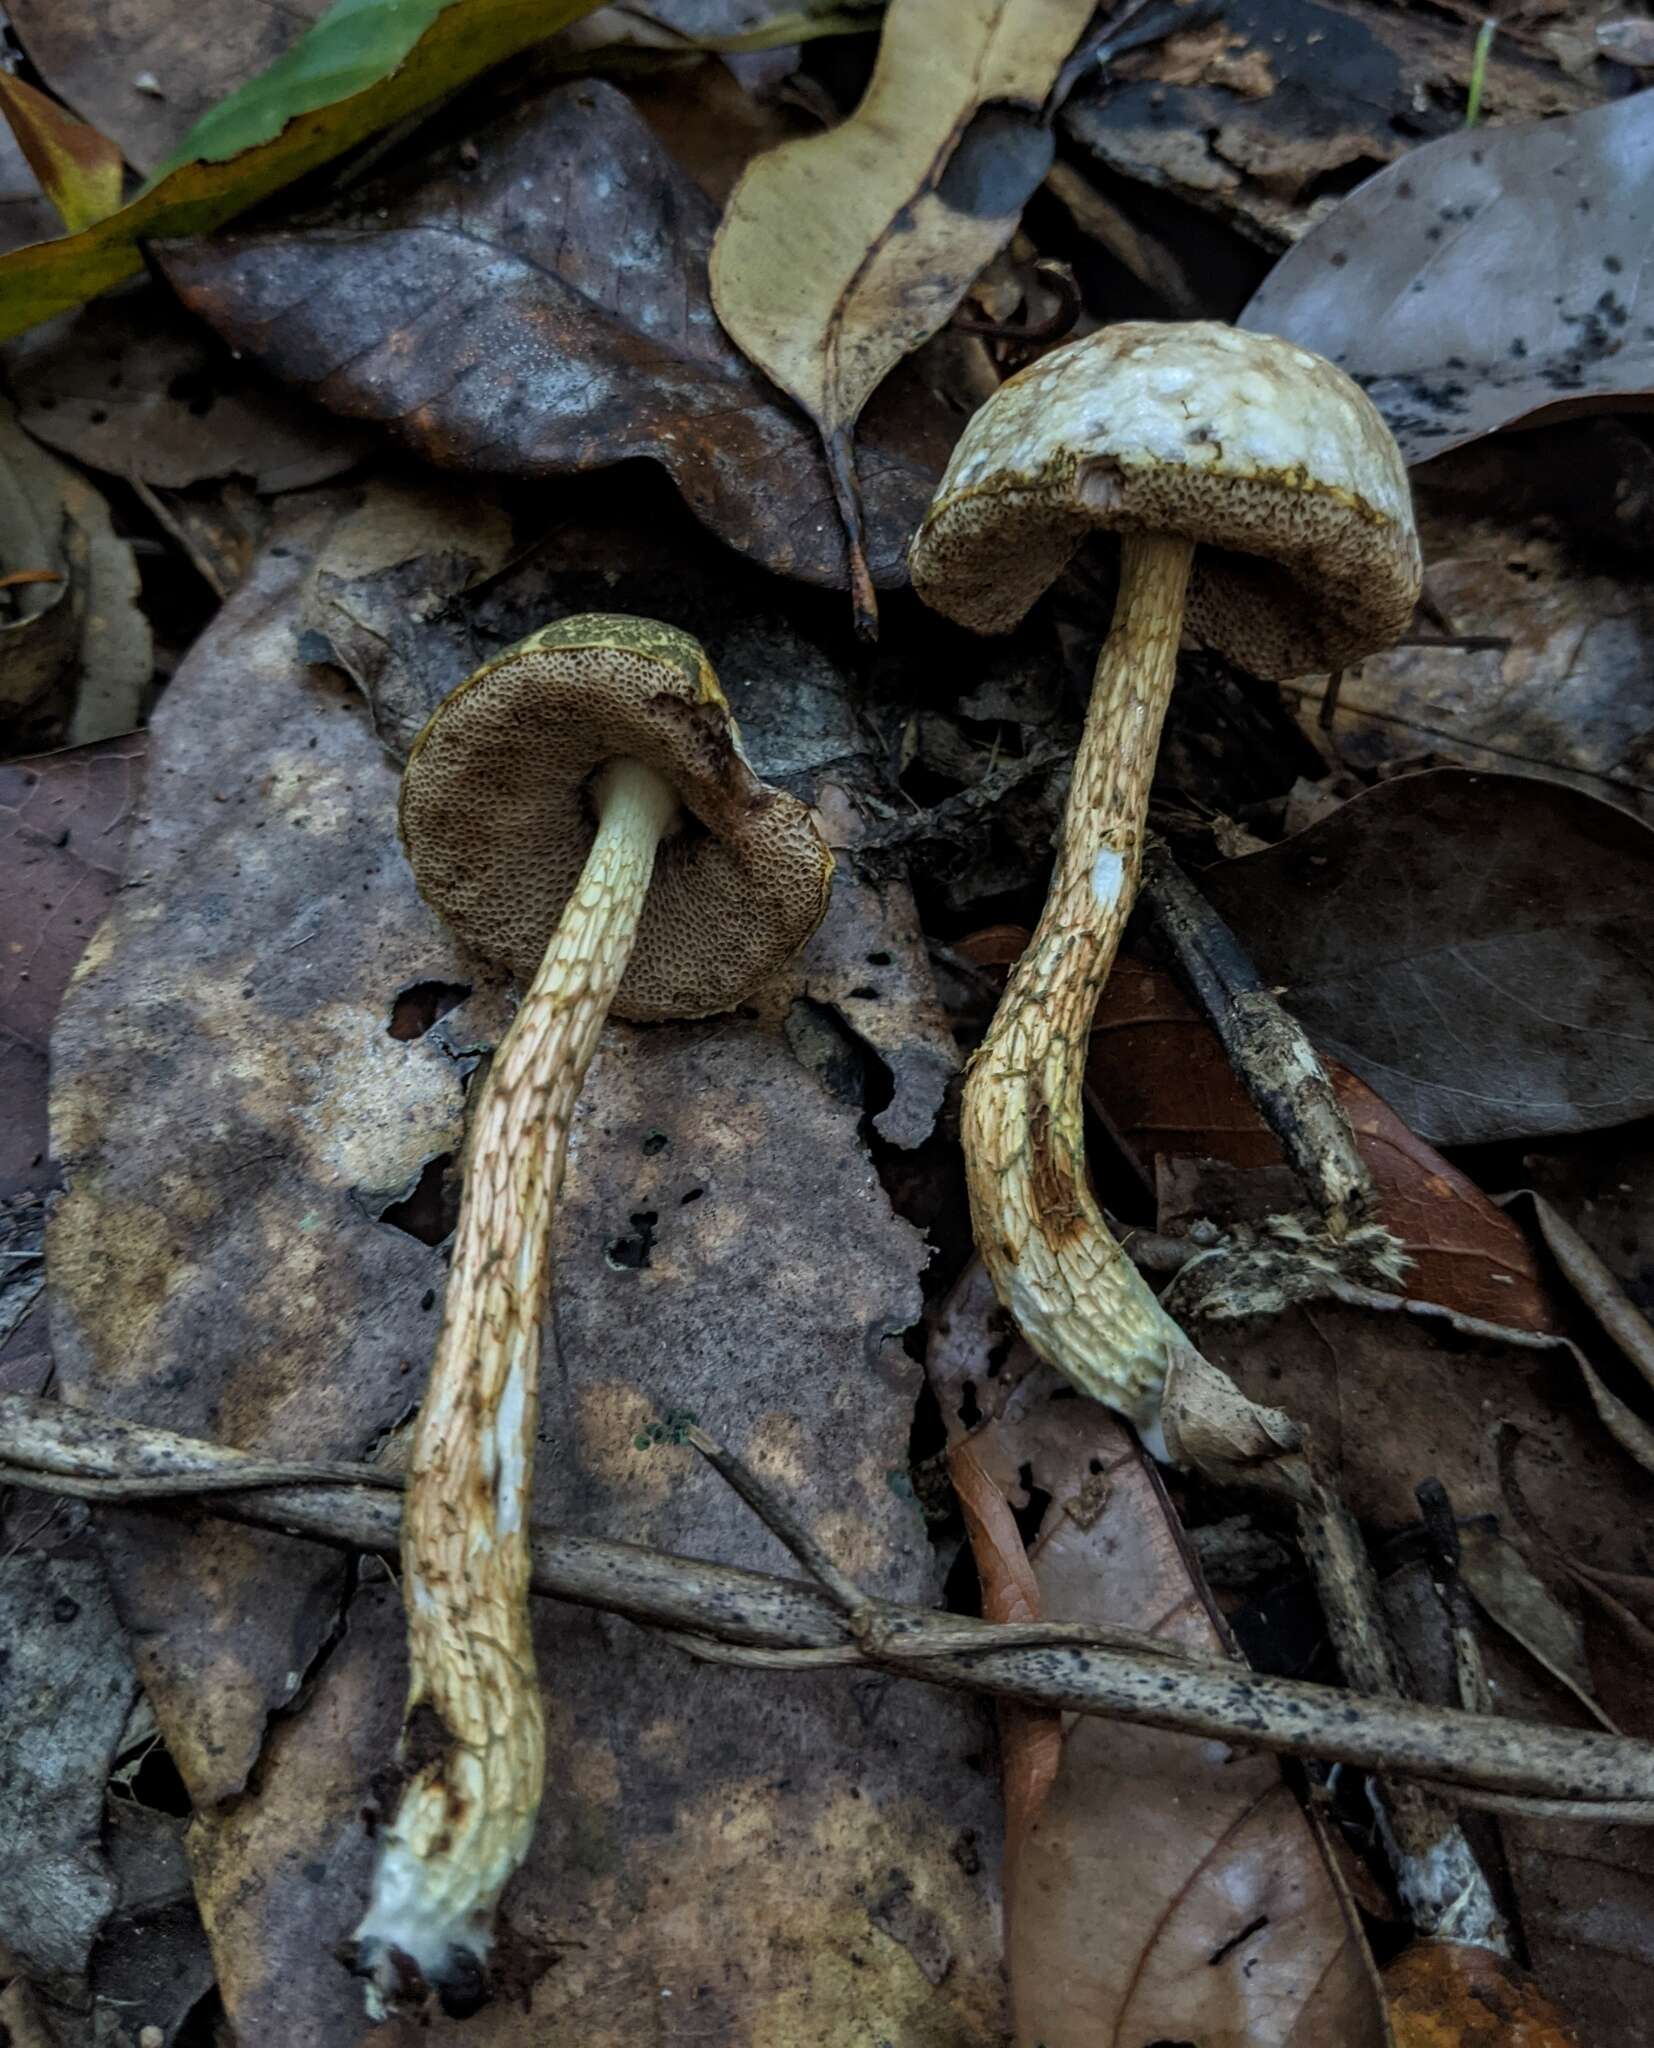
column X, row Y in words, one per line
column 581, row 811
column 1258, row 498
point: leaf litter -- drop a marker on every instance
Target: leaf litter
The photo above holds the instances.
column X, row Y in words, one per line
column 263, row 1068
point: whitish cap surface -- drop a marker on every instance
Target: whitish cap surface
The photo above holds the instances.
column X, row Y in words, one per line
column 497, row 814
column 1274, row 463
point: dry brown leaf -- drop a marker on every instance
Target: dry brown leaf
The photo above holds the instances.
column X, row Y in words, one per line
column 840, row 253
column 542, row 310
column 220, row 1257
column 1171, row 1889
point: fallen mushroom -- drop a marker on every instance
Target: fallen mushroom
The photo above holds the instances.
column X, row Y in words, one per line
column 580, row 809
column 1258, row 498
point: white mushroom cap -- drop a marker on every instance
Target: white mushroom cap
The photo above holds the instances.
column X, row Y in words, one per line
column 1271, row 461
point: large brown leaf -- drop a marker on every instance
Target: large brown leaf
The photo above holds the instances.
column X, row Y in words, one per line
column 548, row 312
column 1473, row 946
column 247, row 1095
column 1161, row 1888
column 1489, row 278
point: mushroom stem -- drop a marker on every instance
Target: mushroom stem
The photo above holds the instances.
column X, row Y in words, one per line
column 473, row 1737
column 1074, row 1294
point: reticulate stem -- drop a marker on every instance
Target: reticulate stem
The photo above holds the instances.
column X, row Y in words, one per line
column 473, row 1734
column 1074, row 1294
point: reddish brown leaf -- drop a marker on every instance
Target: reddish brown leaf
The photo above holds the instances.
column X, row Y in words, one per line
column 547, row 312
column 1162, row 1080
column 1030, row 1742
column 1442, row 1994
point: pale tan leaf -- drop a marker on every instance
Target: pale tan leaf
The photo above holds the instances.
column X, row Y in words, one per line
column 840, row 253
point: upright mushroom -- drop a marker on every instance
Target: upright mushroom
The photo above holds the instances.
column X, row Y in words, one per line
column 1258, row 498
column 580, row 809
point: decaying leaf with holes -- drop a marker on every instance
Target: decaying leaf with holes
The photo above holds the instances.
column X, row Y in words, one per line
column 249, row 1144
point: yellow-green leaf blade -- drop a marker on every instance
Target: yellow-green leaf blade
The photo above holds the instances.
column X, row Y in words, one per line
column 79, row 169
column 460, row 39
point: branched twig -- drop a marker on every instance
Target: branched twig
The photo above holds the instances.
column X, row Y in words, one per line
column 1580, row 1774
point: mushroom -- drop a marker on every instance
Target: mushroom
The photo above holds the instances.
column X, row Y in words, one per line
column 580, row 810
column 1259, row 498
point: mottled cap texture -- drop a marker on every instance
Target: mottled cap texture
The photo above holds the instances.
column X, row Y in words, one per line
column 497, row 814
column 1270, row 460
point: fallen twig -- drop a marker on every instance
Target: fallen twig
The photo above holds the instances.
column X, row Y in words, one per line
column 1580, row 1774
column 1274, row 1060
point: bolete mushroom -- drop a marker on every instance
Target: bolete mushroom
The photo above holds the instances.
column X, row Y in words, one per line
column 580, row 810
column 1259, row 499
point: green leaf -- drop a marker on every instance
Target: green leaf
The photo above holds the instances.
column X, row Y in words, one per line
column 366, row 65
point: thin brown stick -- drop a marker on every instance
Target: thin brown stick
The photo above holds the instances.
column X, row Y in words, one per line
column 1267, row 1046
column 1587, row 1775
